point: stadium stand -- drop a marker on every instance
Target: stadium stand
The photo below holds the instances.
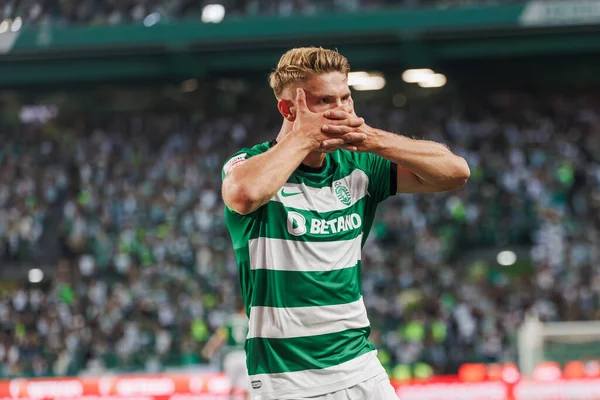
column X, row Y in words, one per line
column 95, row 12
column 145, row 263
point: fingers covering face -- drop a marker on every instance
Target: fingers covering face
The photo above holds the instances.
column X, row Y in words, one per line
column 347, row 139
column 348, row 120
column 343, row 126
column 301, row 99
column 337, row 129
column 342, row 115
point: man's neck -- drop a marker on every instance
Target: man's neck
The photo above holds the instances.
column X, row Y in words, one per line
column 314, row 160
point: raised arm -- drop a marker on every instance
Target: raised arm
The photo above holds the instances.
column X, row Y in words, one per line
column 422, row 165
column 254, row 182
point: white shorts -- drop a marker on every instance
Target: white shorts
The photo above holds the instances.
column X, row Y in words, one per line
column 235, row 368
column 376, row 388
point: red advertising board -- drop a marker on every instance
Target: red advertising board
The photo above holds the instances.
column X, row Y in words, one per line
column 217, row 387
column 141, row 387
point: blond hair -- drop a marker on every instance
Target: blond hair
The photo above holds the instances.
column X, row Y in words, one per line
column 299, row 64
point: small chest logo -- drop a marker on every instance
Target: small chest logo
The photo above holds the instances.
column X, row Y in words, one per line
column 256, row 384
column 343, row 193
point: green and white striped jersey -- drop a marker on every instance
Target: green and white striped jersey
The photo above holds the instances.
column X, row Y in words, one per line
column 299, row 259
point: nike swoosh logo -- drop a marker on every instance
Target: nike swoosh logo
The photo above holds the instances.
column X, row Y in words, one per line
column 284, row 194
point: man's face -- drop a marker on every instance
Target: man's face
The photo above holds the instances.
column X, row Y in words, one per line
column 328, row 91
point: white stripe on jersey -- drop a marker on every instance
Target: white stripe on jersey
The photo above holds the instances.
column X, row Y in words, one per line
column 324, row 199
column 291, row 322
column 292, row 255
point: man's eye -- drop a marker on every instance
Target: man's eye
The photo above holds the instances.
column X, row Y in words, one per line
column 324, row 101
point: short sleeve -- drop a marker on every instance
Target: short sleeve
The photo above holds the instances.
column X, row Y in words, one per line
column 238, row 158
column 234, row 161
column 382, row 175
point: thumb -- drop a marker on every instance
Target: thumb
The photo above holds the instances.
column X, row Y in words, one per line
column 301, row 100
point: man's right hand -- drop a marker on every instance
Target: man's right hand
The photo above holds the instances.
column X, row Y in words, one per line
column 309, row 125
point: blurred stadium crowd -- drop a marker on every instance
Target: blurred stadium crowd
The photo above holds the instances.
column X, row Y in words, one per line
column 146, row 270
column 111, row 12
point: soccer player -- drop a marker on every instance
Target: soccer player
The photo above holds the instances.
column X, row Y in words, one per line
column 230, row 338
column 299, row 209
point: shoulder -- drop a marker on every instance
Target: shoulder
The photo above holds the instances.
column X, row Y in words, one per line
column 257, row 149
column 355, row 160
column 237, row 158
column 251, row 151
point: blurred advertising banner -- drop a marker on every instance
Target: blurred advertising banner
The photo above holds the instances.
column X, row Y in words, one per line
column 135, row 387
column 453, row 389
column 579, row 389
column 217, row 387
column 572, row 12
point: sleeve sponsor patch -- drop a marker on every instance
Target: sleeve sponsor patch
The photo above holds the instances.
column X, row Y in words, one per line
column 234, row 162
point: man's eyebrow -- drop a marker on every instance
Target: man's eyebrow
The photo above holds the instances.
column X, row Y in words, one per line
column 331, row 95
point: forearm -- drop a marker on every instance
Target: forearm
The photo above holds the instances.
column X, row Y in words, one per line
column 258, row 179
column 432, row 163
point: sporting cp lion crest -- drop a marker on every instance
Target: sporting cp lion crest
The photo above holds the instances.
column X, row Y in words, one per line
column 343, row 193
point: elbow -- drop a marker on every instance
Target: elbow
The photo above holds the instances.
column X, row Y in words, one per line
column 459, row 173
column 238, row 197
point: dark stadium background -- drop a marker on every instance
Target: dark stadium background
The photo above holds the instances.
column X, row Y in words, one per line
column 115, row 120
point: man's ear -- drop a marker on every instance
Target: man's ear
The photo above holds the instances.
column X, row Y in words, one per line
column 287, row 109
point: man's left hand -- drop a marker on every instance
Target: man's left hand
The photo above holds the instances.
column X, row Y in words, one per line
column 337, row 127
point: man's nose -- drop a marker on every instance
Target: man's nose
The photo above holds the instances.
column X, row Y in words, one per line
column 348, row 107
column 345, row 106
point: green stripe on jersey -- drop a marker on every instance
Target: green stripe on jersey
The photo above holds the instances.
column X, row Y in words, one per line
column 271, row 356
column 306, row 289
